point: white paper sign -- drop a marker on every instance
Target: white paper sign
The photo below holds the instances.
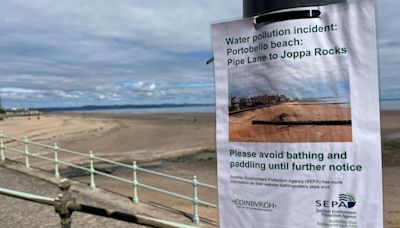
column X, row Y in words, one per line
column 298, row 132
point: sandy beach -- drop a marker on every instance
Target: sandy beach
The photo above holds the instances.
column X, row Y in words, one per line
column 242, row 128
column 177, row 144
column 120, row 137
column 180, row 144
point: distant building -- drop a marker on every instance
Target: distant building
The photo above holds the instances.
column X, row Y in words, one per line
column 234, row 103
column 2, row 111
column 239, row 103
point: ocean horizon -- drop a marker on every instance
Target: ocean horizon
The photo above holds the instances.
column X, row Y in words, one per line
column 140, row 109
column 390, row 104
column 385, row 104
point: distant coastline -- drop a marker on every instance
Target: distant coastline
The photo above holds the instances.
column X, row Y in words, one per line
column 134, row 108
column 385, row 104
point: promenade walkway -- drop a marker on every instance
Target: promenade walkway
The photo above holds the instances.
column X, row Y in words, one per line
column 20, row 213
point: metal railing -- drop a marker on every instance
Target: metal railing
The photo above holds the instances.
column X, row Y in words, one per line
column 91, row 158
column 65, row 204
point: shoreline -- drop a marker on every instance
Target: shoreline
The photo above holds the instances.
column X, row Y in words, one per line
column 163, row 142
column 140, row 137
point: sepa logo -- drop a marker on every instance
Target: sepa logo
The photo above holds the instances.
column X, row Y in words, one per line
column 348, row 198
column 345, row 201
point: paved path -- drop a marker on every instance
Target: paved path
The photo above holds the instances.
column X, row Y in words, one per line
column 21, row 213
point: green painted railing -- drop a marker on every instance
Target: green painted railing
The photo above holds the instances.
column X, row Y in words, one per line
column 65, row 204
column 91, row 158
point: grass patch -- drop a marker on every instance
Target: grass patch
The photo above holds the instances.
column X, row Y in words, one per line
column 391, row 155
column 392, row 145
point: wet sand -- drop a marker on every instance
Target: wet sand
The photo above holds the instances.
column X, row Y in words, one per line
column 121, row 137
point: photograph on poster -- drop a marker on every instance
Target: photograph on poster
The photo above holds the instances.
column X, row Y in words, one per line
column 292, row 103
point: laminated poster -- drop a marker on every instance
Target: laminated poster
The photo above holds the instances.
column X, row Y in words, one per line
column 298, row 131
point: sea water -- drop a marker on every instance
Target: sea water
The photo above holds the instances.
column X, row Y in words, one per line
column 390, row 104
column 194, row 109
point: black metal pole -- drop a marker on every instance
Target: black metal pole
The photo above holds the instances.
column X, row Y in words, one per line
column 257, row 7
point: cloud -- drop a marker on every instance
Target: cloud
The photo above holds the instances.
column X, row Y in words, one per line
column 177, row 25
column 74, row 52
column 18, row 90
column 389, row 47
column 188, row 85
column 81, row 52
column 144, row 87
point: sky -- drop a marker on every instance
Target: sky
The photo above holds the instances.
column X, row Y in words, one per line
column 74, row 53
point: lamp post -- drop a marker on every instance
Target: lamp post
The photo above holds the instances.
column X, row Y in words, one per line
column 257, row 7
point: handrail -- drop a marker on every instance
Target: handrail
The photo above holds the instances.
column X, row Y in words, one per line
column 154, row 172
column 37, row 144
column 42, row 157
column 74, row 166
column 113, row 162
column 65, row 204
column 73, row 152
column 165, row 175
column 112, row 176
column 166, row 192
column 92, row 171
column 27, row 196
column 15, row 150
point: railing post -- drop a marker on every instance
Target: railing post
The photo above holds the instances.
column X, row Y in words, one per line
column 56, row 172
column 63, row 201
column 196, row 219
column 135, row 197
column 3, row 157
column 26, row 153
column 91, row 160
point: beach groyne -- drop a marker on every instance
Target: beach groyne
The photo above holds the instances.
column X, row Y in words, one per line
column 310, row 122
